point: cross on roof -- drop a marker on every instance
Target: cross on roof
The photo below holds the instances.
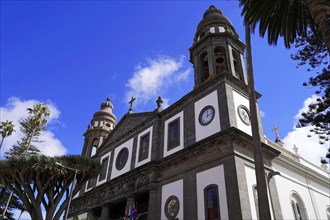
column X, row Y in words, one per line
column 131, row 104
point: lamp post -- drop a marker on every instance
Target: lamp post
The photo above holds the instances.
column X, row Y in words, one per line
column 76, row 171
column 269, row 177
column 5, row 210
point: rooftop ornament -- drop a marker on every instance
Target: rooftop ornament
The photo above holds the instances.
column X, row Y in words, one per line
column 277, row 136
column 131, row 105
column 159, row 102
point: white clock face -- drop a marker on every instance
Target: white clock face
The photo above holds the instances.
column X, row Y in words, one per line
column 244, row 114
column 206, row 115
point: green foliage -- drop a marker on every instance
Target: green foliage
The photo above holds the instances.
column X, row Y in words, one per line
column 34, row 179
column 275, row 18
column 38, row 181
column 313, row 53
column 31, row 128
column 6, row 129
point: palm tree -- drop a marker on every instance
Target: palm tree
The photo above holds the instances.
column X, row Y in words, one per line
column 6, row 129
column 31, row 128
column 36, row 121
column 288, row 18
column 263, row 204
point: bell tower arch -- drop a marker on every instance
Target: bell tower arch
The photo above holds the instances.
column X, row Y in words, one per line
column 217, row 49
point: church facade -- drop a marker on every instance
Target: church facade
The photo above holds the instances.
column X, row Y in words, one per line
column 194, row 159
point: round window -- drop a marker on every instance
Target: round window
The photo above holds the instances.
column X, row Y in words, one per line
column 172, row 207
column 122, row 158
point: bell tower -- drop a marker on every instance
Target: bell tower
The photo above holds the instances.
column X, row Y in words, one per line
column 216, row 49
column 219, row 76
column 101, row 125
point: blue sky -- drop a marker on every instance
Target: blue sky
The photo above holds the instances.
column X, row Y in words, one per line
column 73, row 54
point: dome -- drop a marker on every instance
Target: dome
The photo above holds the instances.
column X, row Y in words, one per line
column 214, row 22
column 105, row 112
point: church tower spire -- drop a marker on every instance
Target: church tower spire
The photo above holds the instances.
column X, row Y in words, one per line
column 217, row 49
column 101, row 125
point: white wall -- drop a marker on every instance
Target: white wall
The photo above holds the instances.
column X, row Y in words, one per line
column 315, row 197
column 215, row 176
column 129, row 145
column 212, row 128
column 107, row 167
column 241, row 100
column 251, row 182
column 172, row 189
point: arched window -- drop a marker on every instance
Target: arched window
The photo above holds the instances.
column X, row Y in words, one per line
column 95, row 145
column 238, row 72
column 204, row 66
column 211, row 201
column 220, row 60
column 201, row 35
column 298, row 207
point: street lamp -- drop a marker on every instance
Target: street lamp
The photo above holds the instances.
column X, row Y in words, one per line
column 76, row 171
column 269, row 177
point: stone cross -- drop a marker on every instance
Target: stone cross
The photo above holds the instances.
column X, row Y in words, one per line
column 131, row 104
column 159, row 102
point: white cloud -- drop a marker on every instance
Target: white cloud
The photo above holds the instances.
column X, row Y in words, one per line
column 183, row 76
column 262, row 114
column 308, row 147
column 15, row 110
column 305, row 108
column 149, row 81
column 165, row 103
column 25, row 215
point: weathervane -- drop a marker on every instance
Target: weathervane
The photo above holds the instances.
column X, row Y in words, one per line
column 277, row 137
column 131, row 105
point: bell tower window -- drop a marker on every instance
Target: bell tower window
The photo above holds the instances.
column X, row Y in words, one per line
column 205, row 67
column 238, row 72
column 220, row 60
column 95, row 144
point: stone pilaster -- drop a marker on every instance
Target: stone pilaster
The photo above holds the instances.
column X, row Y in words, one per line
column 153, row 203
column 105, row 212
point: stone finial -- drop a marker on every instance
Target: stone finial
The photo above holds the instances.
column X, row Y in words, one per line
column 212, row 9
column 295, row 149
column 159, row 102
column 106, row 104
column 324, row 166
column 131, row 105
